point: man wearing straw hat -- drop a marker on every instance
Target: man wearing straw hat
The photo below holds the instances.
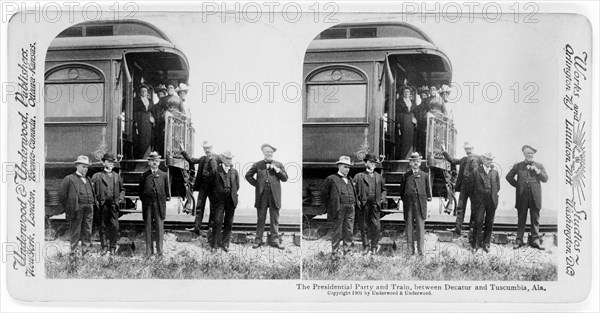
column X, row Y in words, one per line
column 269, row 175
column 339, row 198
column 207, row 164
column 371, row 192
column 108, row 187
column 468, row 164
column 77, row 197
column 484, row 187
column 415, row 192
column 154, row 192
column 530, row 175
column 225, row 198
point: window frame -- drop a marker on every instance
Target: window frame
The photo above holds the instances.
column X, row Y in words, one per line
column 77, row 119
column 336, row 120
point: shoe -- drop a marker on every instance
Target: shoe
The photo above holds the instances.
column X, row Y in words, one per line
column 104, row 250
column 518, row 244
column 277, row 246
column 225, row 248
column 193, row 230
column 536, row 244
column 256, row 245
column 474, row 250
column 486, row 248
column 454, row 230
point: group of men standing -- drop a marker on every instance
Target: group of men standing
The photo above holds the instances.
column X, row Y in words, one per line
column 363, row 198
column 218, row 181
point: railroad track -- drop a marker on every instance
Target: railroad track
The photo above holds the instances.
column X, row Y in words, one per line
column 434, row 226
column 180, row 226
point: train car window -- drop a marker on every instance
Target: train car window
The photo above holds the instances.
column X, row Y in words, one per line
column 75, row 31
column 363, row 32
column 103, row 30
column 336, row 95
column 74, row 94
column 333, row 33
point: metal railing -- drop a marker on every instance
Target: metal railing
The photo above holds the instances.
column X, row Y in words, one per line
column 387, row 137
column 178, row 131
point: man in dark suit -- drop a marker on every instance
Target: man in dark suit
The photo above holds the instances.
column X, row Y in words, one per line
column 154, row 192
column 485, row 184
column 207, row 164
column 225, row 198
column 77, row 197
column 339, row 198
column 371, row 192
column 108, row 187
column 415, row 193
column 269, row 175
column 530, row 175
column 468, row 164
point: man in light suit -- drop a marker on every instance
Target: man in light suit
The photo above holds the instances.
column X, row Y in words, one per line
column 109, row 191
column 415, row 193
column 484, row 189
column 339, row 198
column 225, row 198
column 371, row 192
column 269, row 175
column 530, row 175
column 468, row 164
column 154, row 192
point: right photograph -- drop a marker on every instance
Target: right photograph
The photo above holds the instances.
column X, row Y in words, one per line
column 424, row 145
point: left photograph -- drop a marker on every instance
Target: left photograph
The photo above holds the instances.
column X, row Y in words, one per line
column 144, row 176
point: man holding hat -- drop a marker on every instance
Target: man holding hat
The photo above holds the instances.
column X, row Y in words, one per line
column 530, row 175
column 468, row 164
column 182, row 91
column 154, row 193
column 225, row 198
column 415, row 192
column 207, row 165
column 371, row 192
column 484, row 187
column 108, row 188
column 269, row 175
column 77, row 197
column 339, row 198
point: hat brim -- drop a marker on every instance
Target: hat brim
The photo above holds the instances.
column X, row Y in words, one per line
column 345, row 163
column 82, row 163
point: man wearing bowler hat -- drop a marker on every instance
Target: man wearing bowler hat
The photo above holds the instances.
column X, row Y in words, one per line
column 415, row 192
column 339, row 198
column 269, row 175
column 371, row 192
column 530, row 175
column 77, row 197
column 225, row 198
column 468, row 164
column 154, row 192
column 207, row 165
column 108, row 188
column 484, row 187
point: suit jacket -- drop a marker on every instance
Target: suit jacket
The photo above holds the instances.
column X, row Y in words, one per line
column 146, row 190
column 260, row 170
column 206, row 169
column 219, row 184
column 361, row 181
column 477, row 179
column 421, row 182
column 330, row 193
column 520, row 170
column 101, row 182
column 68, row 194
column 467, row 165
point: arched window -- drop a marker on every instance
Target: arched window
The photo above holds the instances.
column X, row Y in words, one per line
column 74, row 93
column 336, row 94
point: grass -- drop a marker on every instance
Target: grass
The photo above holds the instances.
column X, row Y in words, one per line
column 449, row 268
column 181, row 265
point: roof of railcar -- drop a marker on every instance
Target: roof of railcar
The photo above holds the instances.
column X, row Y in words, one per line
column 390, row 35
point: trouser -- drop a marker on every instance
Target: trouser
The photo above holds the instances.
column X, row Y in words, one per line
column 81, row 228
column 461, row 208
column 369, row 224
column 224, row 211
column 414, row 221
column 152, row 219
column 200, row 206
column 109, row 224
column 342, row 224
column 527, row 203
column 484, row 211
column 267, row 201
